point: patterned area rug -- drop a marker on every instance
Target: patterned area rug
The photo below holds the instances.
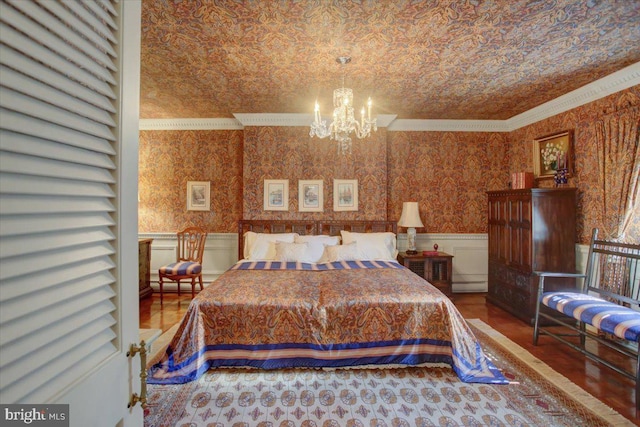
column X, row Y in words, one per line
column 537, row 396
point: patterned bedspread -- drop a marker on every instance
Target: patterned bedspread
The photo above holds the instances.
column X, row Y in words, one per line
column 279, row 315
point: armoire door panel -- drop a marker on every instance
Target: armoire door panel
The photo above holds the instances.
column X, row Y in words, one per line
column 529, row 230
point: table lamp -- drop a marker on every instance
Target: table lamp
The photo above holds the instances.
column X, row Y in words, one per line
column 410, row 218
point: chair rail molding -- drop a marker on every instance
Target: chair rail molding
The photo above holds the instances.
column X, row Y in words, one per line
column 470, row 251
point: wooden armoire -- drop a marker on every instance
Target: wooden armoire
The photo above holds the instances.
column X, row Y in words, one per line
column 529, row 230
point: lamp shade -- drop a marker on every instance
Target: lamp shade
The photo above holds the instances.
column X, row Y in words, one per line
column 410, row 216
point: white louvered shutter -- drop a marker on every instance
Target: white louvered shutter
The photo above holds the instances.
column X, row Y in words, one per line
column 58, row 154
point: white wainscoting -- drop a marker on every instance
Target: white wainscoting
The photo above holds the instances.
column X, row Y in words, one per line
column 470, row 251
column 220, row 253
column 470, row 257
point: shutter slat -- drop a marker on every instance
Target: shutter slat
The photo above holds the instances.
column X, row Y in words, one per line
column 13, row 351
column 52, row 346
column 10, row 58
column 29, row 324
column 32, row 185
column 55, row 276
column 18, row 102
column 33, row 88
column 19, row 123
column 38, row 147
column 55, row 205
column 39, row 166
column 14, row 246
column 19, row 225
column 99, row 16
column 36, row 205
column 71, row 20
column 63, row 30
column 42, row 261
column 22, row 43
column 81, row 365
column 54, row 43
column 29, row 387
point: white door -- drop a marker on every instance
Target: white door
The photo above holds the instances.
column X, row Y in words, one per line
column 69, row 90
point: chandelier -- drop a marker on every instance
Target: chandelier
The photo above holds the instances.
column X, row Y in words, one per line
column 344, row 122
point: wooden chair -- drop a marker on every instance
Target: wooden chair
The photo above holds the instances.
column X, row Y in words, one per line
column 189, row 263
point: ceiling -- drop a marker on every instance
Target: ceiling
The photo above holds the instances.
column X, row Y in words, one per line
column 432, row 59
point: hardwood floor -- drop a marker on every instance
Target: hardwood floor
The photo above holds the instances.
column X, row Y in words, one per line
column 610, row 387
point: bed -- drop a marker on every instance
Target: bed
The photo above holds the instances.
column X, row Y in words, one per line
column 324, row 294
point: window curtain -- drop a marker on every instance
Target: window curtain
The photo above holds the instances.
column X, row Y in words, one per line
column 617, row 140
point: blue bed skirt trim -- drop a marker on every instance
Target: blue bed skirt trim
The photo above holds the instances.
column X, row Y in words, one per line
column 466, row 370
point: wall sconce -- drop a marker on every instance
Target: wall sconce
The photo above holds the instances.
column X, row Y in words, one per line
column 410, row 218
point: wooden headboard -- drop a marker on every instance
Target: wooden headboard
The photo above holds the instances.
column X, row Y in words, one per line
column 331, row 228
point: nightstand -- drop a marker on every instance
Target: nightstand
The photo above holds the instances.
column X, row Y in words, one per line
column 435, row 269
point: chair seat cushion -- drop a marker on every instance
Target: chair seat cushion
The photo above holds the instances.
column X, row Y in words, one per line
column 609, row 317
column 182, row 268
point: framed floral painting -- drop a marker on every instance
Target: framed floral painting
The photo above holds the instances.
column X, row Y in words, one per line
column 552, row 153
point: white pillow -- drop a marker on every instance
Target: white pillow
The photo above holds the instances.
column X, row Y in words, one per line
column 261, row 246
column 316, row 245
column 348, row 252
column 373, row 246
column 296, row 252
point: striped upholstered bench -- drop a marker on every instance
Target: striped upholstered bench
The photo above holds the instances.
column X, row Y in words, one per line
column 609, row 317
column 608, row 301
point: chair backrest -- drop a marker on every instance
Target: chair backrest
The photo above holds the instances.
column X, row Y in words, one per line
column 191, row 244
column 613, row 270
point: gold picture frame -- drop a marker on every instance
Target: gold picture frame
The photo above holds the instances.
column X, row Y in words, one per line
column 553, row 152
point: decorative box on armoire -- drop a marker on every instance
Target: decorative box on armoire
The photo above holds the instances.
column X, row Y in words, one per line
column 529, row 230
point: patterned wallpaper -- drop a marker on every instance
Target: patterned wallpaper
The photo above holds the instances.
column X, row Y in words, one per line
column 448, row 173
column 289, row 153
column 582, row 120
column 169, row 159
column 215, row 58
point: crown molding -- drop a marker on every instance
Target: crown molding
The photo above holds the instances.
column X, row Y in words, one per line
column 272, row 119
column 385, row 120
column 620, row 80
column 407, row 125
column 190, row 124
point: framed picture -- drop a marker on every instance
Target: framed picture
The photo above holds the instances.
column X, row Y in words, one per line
column 345, row 194
column 198, row 195
column 276, row 194
column 310, row 197
column 553, row 152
